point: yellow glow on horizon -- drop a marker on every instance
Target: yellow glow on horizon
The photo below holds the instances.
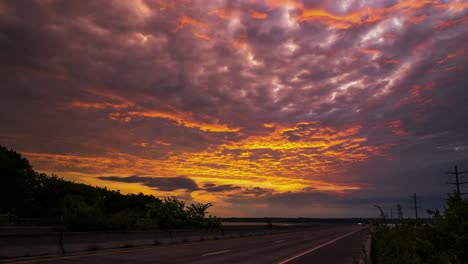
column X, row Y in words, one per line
column 273, row 162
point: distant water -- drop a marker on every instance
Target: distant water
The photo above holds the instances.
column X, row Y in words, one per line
column 254, row 224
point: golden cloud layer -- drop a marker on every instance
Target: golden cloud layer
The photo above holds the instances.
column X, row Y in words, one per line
column 285, row 159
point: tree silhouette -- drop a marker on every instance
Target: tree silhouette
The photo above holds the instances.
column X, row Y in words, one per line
column 26, row 193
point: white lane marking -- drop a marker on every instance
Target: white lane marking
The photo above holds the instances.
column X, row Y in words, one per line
column 280, row 241
column 317, row 247
column 215, row 253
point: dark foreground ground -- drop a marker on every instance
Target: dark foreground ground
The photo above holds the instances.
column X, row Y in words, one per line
column 333, row 244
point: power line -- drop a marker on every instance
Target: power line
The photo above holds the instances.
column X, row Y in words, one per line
column 457, row 181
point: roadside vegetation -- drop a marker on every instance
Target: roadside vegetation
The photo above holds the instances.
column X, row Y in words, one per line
column 25, row 193
column 442, row 239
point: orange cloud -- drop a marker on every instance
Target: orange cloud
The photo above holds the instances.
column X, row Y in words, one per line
column 366, row 15
column 240, row 42
column 418, row 19
column 221, row 13
column 162, row 143
column 126, row 110
column 184, row 20
column 258, row 15
column 369, row 51
column 324, row 17
column 446, row 24
column 184, row 119
column 202, row 36
column 396, row 128
column 448, row 57
column 104, row 99
column 88, row 105
column 283, row 3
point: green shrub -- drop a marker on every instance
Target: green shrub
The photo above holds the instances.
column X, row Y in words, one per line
column 444, row 241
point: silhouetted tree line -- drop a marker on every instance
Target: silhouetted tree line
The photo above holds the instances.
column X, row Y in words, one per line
column 25, row 193
column 444, row 239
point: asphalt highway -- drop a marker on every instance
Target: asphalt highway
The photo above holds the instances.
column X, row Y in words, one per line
column 332, row 244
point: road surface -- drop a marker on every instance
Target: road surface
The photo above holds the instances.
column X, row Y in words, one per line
column 332, row 244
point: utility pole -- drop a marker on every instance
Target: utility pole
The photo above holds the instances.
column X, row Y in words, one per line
column 457, row 181
column 400, row 212
column 415, row 201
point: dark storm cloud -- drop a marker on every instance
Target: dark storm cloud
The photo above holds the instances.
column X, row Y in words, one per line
column 159, row 79
column 209, row 187
column 109, row 43
column 236, row 192
column 158, row 183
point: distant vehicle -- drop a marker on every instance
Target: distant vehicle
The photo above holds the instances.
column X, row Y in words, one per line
column 359, row 223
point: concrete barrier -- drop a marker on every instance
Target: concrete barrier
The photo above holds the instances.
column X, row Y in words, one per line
column 56, row 243
column 366, row 254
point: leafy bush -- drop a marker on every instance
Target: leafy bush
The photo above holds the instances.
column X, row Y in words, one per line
column 172, row 213
column 77, row 214
column 443, row 241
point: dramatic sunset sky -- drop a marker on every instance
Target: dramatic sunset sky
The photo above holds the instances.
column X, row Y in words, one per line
column 312, row 108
